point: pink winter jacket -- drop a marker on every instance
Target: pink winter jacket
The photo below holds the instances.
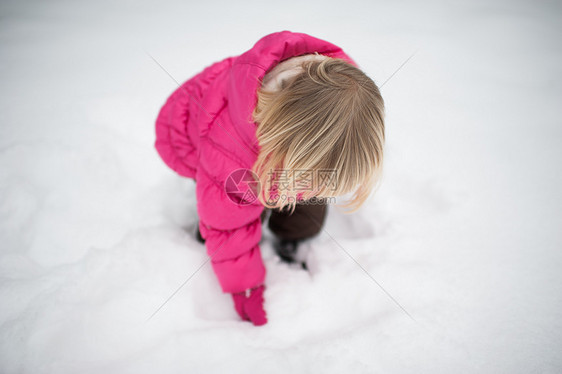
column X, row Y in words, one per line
column 205, row 131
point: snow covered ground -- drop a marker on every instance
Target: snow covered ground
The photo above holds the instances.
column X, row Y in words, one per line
column 465, row 232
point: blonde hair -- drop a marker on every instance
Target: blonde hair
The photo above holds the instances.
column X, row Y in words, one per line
column 328, row 117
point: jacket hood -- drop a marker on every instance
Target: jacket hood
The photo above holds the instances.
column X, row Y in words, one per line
column 249, row 69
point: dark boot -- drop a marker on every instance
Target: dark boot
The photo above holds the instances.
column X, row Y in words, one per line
column 198, row 235
column 288, row 251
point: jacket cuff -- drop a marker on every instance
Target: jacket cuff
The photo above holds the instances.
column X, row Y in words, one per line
column 242, row 273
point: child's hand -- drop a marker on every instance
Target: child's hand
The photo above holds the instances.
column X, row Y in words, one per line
column 249, row 305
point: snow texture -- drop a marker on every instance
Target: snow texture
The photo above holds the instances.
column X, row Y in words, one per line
column 465, row 231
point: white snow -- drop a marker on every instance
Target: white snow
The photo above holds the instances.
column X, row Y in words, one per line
column 465, row 231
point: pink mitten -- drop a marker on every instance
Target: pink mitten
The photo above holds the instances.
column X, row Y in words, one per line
column 249, row 305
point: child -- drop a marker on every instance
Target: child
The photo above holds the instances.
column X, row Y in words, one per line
column 277, row 129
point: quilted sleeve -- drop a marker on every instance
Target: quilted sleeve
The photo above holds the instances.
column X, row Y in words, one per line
column 235, row 256
column 177, row 124
column 232, row 234
column 173, row 142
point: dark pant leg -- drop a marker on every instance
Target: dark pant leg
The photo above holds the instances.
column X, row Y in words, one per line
column 305, row 222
